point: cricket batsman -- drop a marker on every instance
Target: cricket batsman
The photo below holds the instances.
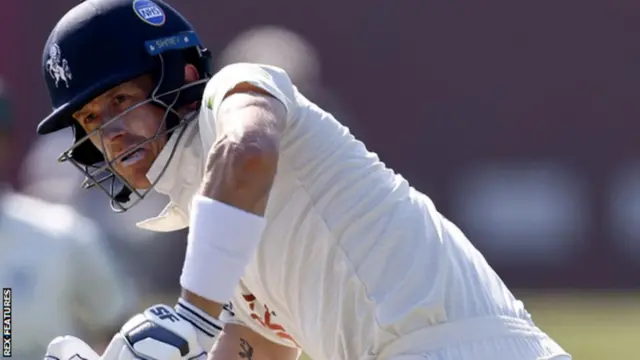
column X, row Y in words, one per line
column 300, row 239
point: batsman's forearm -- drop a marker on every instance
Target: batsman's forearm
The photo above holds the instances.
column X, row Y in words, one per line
column 241, row 175
column 212, row 308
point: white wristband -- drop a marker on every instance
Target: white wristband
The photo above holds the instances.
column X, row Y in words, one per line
column 222, row 240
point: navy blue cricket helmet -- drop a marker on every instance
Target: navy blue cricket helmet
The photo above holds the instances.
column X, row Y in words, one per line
column 100, row 44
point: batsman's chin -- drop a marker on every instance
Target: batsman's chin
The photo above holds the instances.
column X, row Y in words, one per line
column 136, row 175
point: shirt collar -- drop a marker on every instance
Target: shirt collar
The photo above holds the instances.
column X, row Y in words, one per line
column 164, row 170
column 175, row 170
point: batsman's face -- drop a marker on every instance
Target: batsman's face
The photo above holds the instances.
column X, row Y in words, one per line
column 128, row 130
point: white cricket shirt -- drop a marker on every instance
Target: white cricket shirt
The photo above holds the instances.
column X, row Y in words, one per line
column 353, row 259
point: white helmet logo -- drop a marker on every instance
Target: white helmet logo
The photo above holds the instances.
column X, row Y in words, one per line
column 58, row 67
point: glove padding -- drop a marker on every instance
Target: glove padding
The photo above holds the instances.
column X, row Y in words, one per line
column 70, row 348
column 158, row 333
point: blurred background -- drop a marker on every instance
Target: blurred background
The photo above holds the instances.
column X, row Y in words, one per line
column 519, row 119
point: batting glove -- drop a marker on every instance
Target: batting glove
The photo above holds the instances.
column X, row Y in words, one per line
column 158, row 333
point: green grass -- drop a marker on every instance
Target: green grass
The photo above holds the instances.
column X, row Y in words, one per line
column 591, row 326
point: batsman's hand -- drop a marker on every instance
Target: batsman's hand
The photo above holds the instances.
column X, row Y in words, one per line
column 158, row 333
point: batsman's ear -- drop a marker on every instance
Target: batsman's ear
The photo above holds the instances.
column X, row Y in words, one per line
column 190, row 73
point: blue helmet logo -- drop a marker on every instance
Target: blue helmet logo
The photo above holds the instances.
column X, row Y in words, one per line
column 149, row 12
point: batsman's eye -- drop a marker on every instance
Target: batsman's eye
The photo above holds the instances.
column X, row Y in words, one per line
column 89, row 119
column 120, row 99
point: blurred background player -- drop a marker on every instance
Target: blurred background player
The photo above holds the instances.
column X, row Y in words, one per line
column 62, row 275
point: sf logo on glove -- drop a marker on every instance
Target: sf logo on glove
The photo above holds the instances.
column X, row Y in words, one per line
column 160, row 333
column 163, row 313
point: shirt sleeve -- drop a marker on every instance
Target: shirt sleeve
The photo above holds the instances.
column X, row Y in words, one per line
column 271, row 79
